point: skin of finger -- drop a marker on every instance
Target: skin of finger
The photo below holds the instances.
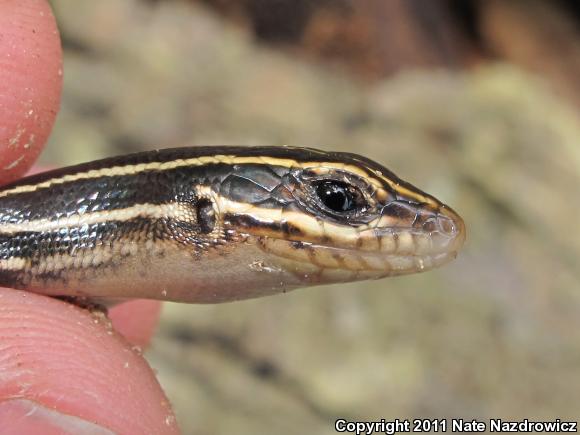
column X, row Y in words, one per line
column 30, row 82
column 136, row 320
column 44, row 359
column 73, row 362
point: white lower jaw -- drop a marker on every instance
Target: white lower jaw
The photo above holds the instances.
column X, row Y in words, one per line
column 375, row 263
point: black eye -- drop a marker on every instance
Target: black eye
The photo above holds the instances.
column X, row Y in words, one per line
column 337, row 196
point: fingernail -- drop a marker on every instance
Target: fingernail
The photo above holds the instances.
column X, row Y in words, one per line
column 23, row 417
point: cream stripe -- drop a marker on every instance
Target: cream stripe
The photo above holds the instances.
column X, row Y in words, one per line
column 172, row 210
column 164, row 166
column 200, row 161
column 312, row 227
column 314, row 230
column 13, row 263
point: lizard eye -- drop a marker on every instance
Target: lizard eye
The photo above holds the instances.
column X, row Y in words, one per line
column 338, row 196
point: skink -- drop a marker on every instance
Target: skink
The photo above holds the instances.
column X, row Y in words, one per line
column 215, row 224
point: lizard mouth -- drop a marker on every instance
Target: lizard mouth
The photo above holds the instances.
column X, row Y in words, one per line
column 431, row 241
column 394, row 257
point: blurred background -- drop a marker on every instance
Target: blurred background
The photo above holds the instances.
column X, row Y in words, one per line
column 473, row 101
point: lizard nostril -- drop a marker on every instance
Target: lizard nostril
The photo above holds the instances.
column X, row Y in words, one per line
column 440, row 224
column 447, row 226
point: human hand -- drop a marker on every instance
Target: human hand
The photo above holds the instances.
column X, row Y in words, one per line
column 62, row 369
